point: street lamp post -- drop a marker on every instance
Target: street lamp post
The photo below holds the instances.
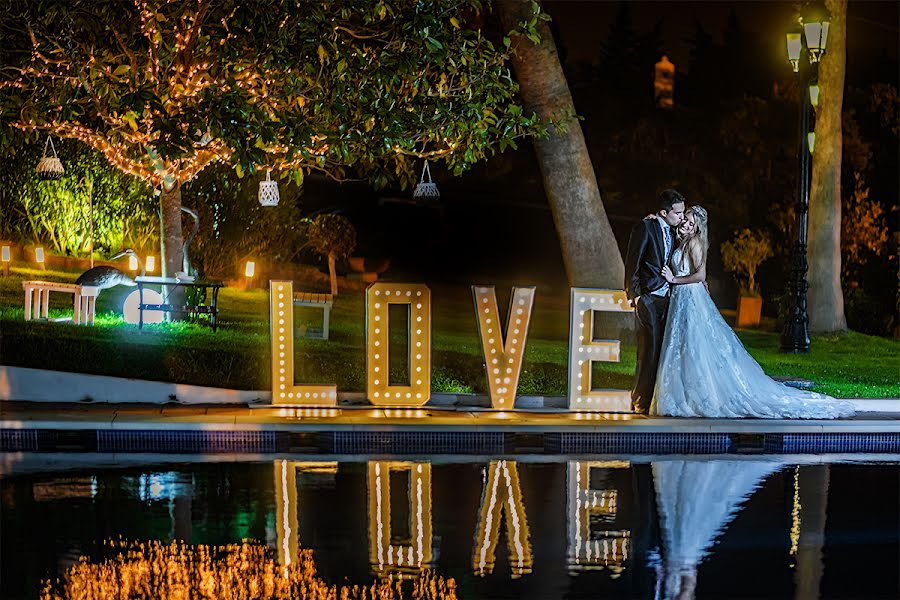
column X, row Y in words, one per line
column 815, row 24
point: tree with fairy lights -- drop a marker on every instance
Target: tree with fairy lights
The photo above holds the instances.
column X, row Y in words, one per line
column 349, row 88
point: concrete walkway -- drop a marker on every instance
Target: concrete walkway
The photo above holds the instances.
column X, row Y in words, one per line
column 880, row 416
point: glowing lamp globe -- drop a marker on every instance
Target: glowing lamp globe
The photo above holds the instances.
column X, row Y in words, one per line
column 794, row 45
column 131, row 310
column 816, row 21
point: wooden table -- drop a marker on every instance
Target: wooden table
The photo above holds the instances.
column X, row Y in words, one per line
column 202, row 308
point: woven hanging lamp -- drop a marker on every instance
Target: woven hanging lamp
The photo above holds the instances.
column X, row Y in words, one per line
column 426, row 189
column 50, row 167
column 268, row 191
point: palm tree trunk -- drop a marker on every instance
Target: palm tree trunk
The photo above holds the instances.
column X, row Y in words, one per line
column 171, row 241
column 826, row 300
column 332, row 275
column 590, row 252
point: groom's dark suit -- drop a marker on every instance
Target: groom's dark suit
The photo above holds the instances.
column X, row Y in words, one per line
column 646, row 257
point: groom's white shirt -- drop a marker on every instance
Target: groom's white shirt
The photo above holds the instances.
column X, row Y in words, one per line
column 667, row 245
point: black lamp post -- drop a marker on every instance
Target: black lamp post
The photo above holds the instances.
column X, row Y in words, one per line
column 815, row 23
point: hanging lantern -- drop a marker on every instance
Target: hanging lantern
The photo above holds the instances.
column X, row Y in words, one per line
column 268, row 191
column 426, row 189
column 50, row 167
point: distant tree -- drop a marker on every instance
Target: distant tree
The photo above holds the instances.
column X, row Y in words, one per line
column 742, row 256
column 864, row 232
column 702, row 68
column 619, row 64
column 333, row 237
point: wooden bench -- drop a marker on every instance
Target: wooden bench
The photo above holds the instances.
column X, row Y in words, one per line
column 37, row 300
column 323, row 301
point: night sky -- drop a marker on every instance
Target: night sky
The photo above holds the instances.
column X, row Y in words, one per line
column 872, row 27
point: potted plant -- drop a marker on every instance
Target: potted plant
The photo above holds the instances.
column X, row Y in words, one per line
column 742, row 256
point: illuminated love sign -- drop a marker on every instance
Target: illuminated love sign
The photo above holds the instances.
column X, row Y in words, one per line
column 503, row 350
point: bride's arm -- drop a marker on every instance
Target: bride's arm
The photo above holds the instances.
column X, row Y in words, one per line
column 695, row 277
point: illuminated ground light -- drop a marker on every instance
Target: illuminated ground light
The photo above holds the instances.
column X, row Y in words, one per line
column 379, row 296
column 590, row 545
column 387, row 554
column 281, row 335
column 584, row 350
column 502, row 494
column 150, row 264
column 131, row 308
column 503, row 353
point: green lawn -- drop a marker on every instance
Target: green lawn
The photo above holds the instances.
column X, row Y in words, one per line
column 237, row 356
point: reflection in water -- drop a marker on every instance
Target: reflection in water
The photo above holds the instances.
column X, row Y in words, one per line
column 696, row 501
column 501, row 490
column 390, row 554
column 593, row 541
column 632, row 529
column 243, row 571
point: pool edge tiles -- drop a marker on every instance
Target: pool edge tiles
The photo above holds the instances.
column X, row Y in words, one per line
column 888, row 442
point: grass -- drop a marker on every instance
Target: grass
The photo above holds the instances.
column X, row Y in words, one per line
column 237, row 356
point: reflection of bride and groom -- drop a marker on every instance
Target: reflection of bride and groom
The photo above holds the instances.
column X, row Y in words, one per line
column 689, row 361
column 695, row 501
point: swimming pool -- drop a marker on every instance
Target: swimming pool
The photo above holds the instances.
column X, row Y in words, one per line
column 612, row 526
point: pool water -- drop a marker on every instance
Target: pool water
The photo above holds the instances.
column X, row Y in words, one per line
column 533, row 527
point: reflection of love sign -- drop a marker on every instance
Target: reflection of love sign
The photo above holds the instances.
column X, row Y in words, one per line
column 503, row 349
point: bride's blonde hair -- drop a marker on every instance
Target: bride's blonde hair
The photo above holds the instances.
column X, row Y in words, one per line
column 700, row 233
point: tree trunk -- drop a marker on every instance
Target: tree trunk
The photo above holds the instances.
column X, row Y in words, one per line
column 826, row 300
column 332, row 275
column 590, row 251
column 171, row 241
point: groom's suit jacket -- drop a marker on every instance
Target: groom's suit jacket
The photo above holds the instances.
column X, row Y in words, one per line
column 646, row 257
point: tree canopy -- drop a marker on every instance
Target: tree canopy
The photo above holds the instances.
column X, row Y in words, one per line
column 164, row 88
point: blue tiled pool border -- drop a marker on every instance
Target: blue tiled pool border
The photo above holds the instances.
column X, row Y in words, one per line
column 441, row 442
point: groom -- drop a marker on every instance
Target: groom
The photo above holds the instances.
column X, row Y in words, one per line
column 649, row 250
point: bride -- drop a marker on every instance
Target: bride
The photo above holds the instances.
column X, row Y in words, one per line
column 704, row 370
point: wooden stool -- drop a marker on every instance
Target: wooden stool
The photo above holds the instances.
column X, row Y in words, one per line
column 85, row 304
column 323, row 301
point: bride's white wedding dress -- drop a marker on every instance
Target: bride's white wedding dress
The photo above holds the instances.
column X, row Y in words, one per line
column 704, row 370
column 696, row 501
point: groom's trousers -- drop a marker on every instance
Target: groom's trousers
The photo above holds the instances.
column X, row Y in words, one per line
column 651, row 326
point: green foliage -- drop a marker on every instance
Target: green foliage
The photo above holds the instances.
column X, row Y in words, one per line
column 331, row 235
column 864, row 232
column 742, row 256
column 58, row 213
column 234, row 227
column 350, row 87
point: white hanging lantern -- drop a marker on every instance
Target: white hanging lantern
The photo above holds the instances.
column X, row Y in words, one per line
column 268, row 191
column 50, row 167
column 426, row 189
